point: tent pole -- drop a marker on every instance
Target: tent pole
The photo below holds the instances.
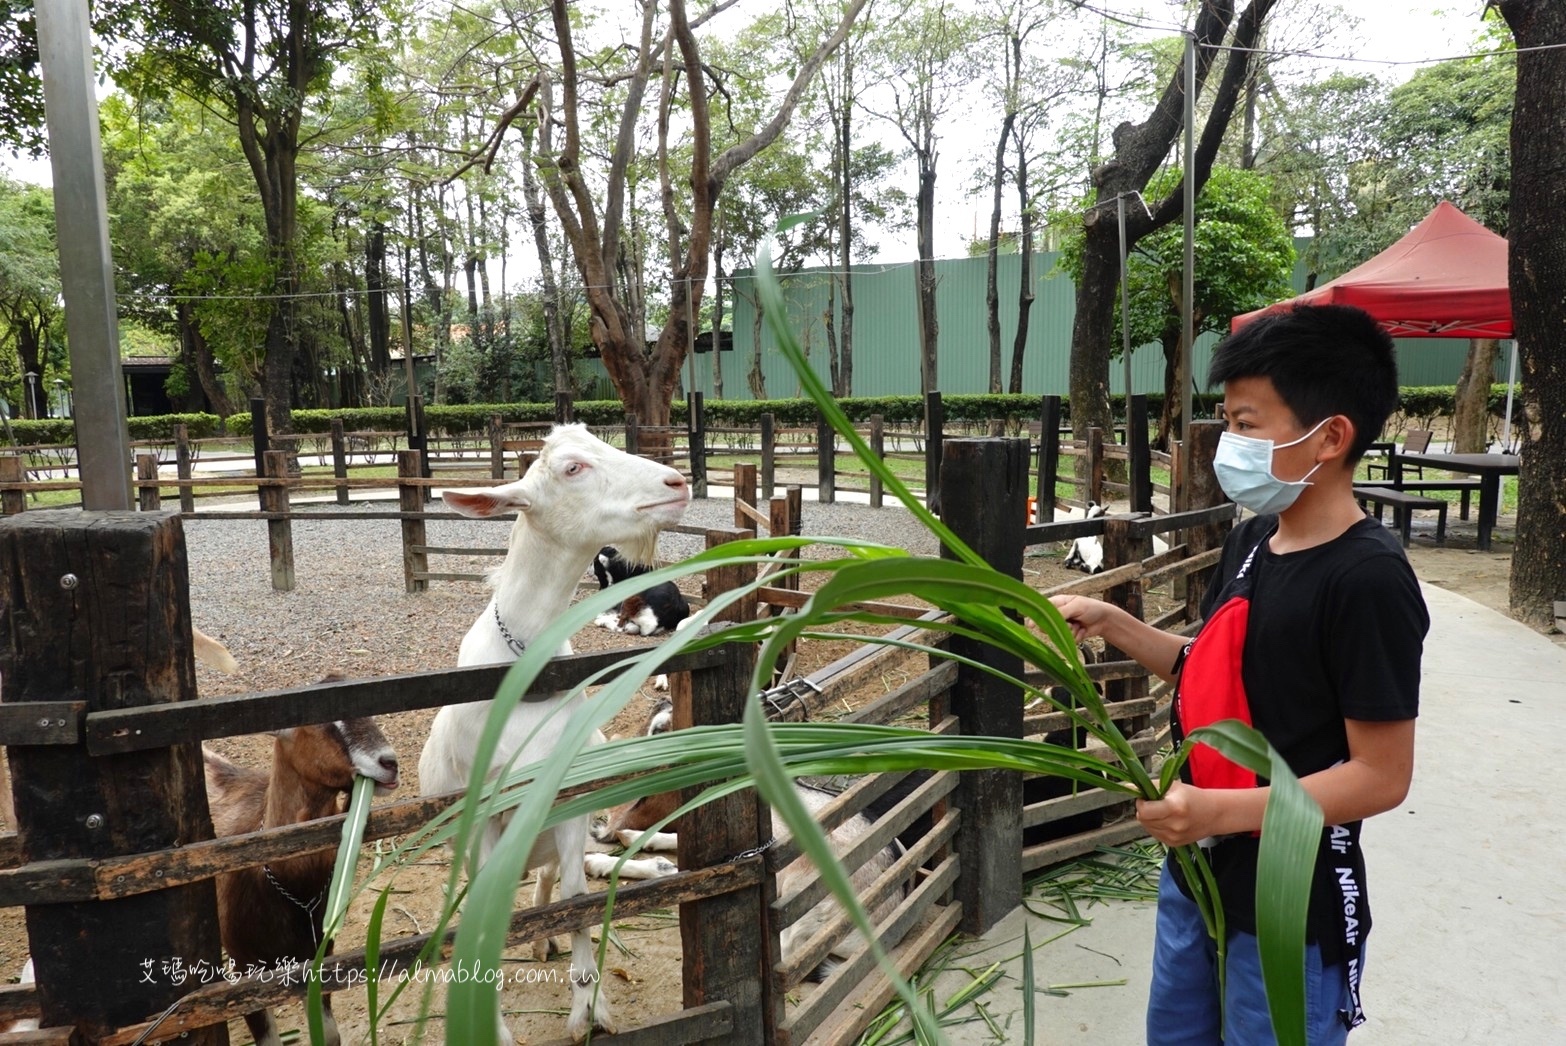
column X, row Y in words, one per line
column 1511, row 383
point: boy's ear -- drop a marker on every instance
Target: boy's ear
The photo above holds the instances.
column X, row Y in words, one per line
column 1339, row 437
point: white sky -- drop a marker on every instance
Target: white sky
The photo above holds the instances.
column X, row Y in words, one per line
column 1390, row 31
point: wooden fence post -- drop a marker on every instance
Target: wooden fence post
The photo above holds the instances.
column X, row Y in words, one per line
column 985, row 483
column 1141, row 465
column 723, row 955
column 497, row 447
column 1122, row 545
column 744, row 493
column 1095, row 465
column 826, row 461
column 279, row 532
column 1203, row 491
column 633, row 435
column 11, row 471
column 719, row 580
column 69, row 643
column 934, row 420
column 768, row 453
column 258, row 436
column 340, row 459
column 182, row 467
column 697, row 439
column 148, row 499
column 410, row 499
column 878, row 448
column 1049, row 457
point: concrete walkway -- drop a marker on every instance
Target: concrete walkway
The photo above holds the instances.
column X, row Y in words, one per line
column 1467, row 878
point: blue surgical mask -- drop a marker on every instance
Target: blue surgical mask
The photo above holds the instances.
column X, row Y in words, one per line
column 1244, row 468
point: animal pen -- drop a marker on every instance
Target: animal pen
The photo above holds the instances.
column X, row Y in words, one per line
column 114, row 857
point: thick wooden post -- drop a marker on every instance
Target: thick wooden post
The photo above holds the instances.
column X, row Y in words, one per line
column 728, row 948
column 1141, row 458
column 934, row 420
column 1049, row 457
column 1095, row 465
column 826, row 461
column 148, row 499
column 96, row 611
column 11, row 471
column 768, row 453
column 409, row 500
column 878, row 448
column 718, row 580
column 633, row 435
column 985, row 488
column 1122, row 545
column 497, row 448
column 744, row 494
column 696, row 426
column 1203, row 492
column 340, row 459
column 258, row 435
column 182, row 467
column 279, row 532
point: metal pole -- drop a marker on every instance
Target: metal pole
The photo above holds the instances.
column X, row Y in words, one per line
column 1511, row 383
column 86, row 270
column 1188, row 278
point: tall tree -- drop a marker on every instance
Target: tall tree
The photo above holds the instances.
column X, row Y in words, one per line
column 927, row 61
column 1139, row 151
column 1537, row 265
column 259, row 63
column 29, row 289
column 597, row 230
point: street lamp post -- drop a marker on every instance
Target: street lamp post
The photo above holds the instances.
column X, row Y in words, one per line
column 32, row 394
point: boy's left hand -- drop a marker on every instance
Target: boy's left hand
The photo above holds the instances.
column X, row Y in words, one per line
column 1184, row 815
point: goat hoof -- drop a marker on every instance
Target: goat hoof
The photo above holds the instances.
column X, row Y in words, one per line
column 660, row 682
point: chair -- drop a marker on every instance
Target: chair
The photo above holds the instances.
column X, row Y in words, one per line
column 1415, row 441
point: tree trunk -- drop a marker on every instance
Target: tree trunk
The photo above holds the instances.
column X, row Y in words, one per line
column 829, row 326
column 380, row 315
column 929, row 325
column 200, row 355
column 1019, row 344
column 1174, row 401
column 992, row 266
column 717, row 325
column 1537, row 266
column 35, row 403
column 757, row 378
column 1471, row 416
column 845, row 233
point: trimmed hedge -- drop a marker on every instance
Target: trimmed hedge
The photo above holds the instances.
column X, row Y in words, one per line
column 1430, row 401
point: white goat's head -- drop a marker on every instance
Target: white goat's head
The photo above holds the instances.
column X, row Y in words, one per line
column 585, row 494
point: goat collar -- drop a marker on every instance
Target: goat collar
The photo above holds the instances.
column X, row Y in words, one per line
column 516, row 645
column 309, row 909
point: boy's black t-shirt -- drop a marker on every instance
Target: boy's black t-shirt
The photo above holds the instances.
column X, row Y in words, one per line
column 1334, row 632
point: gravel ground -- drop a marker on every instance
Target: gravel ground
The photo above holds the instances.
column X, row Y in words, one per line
column 349, row 612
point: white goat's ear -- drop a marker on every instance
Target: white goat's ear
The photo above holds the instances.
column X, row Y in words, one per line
column 486, row 503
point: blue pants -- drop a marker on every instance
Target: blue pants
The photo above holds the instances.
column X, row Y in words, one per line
column 1182, row 1005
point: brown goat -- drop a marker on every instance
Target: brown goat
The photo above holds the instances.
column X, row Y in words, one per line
column 271, row 916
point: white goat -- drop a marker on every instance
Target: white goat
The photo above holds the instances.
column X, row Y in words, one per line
column 580, row 495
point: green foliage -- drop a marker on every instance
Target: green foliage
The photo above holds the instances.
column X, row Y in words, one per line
column 1244, row 256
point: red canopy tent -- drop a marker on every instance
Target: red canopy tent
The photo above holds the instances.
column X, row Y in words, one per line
column 1445, row 279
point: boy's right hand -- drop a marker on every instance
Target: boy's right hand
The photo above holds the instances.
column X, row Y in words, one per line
column 1088, row 617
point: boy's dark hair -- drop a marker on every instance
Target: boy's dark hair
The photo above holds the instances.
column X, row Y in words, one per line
column 1323, row 360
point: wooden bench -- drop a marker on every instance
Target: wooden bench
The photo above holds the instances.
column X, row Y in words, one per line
column 1465, row 487
column 1403, row 505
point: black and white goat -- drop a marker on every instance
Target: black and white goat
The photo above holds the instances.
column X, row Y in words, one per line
column 659, row 609
column 1087, row 553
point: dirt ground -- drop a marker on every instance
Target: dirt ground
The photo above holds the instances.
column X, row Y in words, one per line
column 643, row 959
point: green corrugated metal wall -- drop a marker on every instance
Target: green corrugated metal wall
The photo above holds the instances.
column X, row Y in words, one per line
column 886, row 356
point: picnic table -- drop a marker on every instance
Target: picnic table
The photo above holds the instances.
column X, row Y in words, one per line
column 1488, row 467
